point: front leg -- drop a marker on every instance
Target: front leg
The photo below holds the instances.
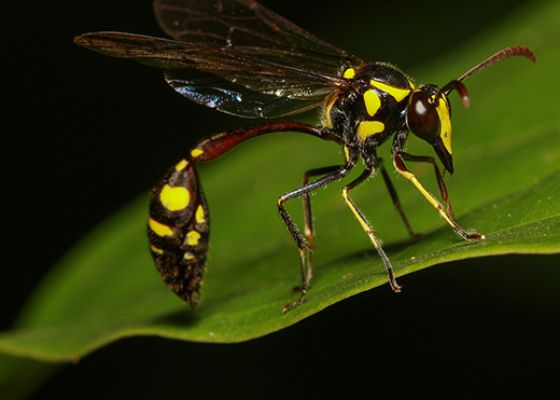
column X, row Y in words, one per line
column 399, row 162
column 439, row 178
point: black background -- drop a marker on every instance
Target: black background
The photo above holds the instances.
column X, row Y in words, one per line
column 84, row 134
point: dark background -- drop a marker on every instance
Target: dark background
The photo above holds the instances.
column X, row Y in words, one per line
column 84, row 134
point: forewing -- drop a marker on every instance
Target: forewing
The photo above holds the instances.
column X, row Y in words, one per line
column 149, row 50
column 234, row 80
column 246, row 23
column 273, row 66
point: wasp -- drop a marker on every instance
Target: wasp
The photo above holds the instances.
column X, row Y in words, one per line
column 243, row 59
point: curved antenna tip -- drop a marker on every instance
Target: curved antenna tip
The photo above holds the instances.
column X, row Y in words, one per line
column 511, row 51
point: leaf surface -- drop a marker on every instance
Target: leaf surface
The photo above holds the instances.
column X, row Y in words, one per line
column 507, row 153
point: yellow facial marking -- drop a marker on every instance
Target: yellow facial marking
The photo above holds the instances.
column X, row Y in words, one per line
column 349, row 73
column 397, row 93
column 156, row 250
column 369, row 128
column 373, row 103
column 174, row 198
column 181, row 165
column 192, row 238
column 188, row 256
column 160, row 229
column 200, row 217
column 445, row 123
column 196, row 153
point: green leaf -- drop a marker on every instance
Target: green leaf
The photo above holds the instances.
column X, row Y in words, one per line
column 507, row 152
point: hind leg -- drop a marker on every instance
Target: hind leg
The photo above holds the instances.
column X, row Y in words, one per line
column 336, row 174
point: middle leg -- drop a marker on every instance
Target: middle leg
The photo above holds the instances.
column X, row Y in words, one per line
column 367, row 226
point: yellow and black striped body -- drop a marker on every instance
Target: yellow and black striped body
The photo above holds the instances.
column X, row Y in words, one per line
column 369, row 110
column 178, row 230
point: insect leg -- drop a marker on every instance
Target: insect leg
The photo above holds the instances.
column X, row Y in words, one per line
column 309, row 227
column 366, row 226
column 400, row 166
column 439, row 178
column 395, row 198
column 178, row 228
column 301, row 243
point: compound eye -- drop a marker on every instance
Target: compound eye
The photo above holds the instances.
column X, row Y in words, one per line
column 422, row 117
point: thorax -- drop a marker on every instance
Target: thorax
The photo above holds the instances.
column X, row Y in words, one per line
column 368, row 110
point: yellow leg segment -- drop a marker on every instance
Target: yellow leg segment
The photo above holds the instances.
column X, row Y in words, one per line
column 366, row 226
column 465, row 234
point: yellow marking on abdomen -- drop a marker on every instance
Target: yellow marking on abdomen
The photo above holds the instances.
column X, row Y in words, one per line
column 160, row 229
column 397, row 93
column 174, row 198
column 181, row 165
column 188, row 256
column 369, row 128
column 372, row 101
column 192, row 238
column 200, row 217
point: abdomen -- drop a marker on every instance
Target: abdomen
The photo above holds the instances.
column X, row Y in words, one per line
column 178, row 230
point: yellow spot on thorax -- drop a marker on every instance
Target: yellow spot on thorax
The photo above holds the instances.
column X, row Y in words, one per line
column 192, row 238
column 200, row 217
column 159, row 229
column 349, row 73
column 445, row 123
column 399, row 94
column 181, row 165
column 174, row 198
column 326, row 120
column 369, row 128
column 372, row 101
column 196, row 153
column 188, row 256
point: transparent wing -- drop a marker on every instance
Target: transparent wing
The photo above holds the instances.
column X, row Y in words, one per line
column 246, row 23
column 246, row 85
column 275, row 67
